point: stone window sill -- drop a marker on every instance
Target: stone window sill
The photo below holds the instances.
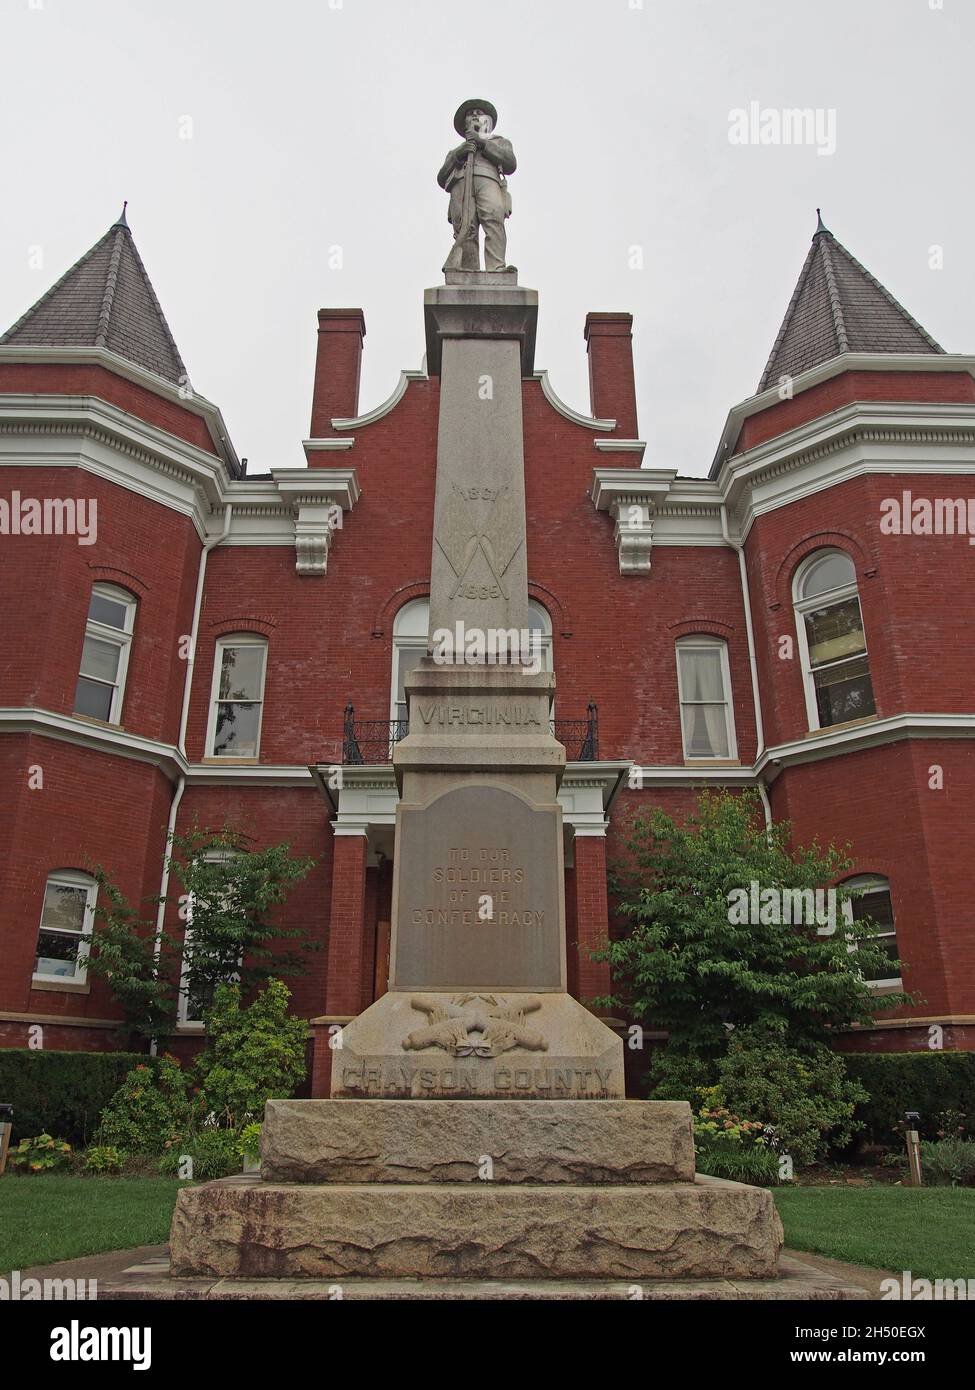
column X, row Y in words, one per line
column 835, row 728
column 60, row 986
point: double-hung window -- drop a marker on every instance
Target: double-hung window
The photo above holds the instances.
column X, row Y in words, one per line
column 237, row 697
column 704, row 688
column 64, row 937
column 105, row 656
column 832, row 642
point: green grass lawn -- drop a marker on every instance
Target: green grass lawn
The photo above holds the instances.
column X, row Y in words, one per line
column 930, row 1231
column 49, row 1218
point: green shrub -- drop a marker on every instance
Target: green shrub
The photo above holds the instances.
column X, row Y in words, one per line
column 61, row 1092
column 806, row 1095
column 677, row 1075
column 249, row 1141
column 929, row 1082
column 213, row 1153
column 40, row 1154
column 753, row 1164
column 948, row 1163
column 149, row 1111
column 253, row 1054
column 103, row 1158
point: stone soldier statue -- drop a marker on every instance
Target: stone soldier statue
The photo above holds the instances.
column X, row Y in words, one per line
column 474, row 176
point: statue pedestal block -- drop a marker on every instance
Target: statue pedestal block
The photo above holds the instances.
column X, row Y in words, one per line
column 385, row 1053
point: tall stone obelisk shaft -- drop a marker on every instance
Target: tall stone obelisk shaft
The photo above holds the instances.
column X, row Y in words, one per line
column 477, row 1002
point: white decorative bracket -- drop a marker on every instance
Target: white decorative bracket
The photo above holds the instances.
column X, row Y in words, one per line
column 319, row 499
column 632, row 496
column 633, row 532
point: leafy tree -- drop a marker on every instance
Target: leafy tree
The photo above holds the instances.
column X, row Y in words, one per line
column 253, row 1054
column 686, row 962
column 230, row 891
column 123, row 953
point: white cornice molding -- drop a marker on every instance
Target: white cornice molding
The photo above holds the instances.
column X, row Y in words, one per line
column 89, row 433
column 99, row 738
column 835, row 366
column 648, row 484
column 315, row 446
column 566, row 411
column 900, row 438
column 183, row 396
column 308, row 486
column 896, row 728
column 388, row 405
column 370, row 780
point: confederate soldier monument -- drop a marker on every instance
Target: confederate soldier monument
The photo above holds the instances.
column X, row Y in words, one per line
column 477, row 1134
column 475, row 176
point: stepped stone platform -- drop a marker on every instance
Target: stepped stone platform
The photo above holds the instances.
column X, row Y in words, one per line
column 796, row 1280
column 467, row 1199
column 446, row 1141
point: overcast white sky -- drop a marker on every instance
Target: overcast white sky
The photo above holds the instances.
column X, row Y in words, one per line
column 316, row 123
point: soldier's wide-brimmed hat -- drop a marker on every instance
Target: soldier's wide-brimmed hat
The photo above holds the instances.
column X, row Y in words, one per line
column 475, row 104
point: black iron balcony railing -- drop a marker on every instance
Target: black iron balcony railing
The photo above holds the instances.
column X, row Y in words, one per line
column 373, row 740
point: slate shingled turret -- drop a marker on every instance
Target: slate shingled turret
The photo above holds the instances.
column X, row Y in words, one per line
column 105, row 300
column 838, row 306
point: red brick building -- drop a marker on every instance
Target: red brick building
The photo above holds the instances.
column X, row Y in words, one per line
column 194, row 643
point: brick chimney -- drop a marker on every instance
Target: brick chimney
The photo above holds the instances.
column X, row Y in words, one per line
column 612, row 392
column 336, row 390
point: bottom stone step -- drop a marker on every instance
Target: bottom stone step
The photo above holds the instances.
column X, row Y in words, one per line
column 708, row 1229
column 796, row 1281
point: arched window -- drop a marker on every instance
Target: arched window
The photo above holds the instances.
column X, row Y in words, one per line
column 105, row 656
column 64, row 936
column 540, row 622
column 410, row 644
column 875, row 903
column 237, row 696
column 832, row 643
column 704, row 687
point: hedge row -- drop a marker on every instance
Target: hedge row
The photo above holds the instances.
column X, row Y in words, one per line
column 61, row 1093
column 928, row 1082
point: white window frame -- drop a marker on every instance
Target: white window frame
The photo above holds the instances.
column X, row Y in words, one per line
column 235, row 639
column 876, row 883
column 702, row 641
column 802, row 606
column 414, row 642
column 118, row 637
column 195, row 1025
column 70, row 878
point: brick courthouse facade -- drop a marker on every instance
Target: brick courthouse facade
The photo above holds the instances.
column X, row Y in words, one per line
column 769, row 625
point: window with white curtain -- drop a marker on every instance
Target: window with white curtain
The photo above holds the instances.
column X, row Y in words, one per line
column 704, row 687
column 832, row 642
column 237, row 697
column 67, row 917
column 105, row 655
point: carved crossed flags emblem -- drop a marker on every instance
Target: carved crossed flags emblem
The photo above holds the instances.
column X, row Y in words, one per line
column 460, row 538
